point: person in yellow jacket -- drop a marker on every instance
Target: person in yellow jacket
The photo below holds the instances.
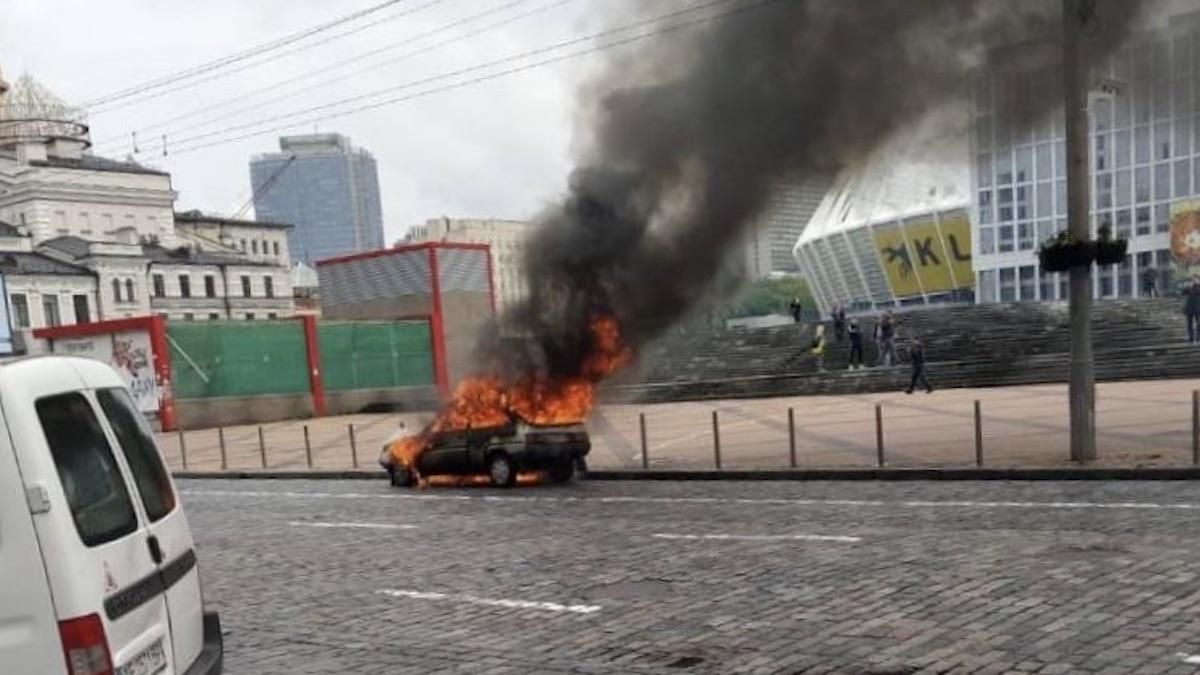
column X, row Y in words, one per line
column 818, row 347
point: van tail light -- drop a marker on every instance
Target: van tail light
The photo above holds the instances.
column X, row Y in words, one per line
column 85, row 646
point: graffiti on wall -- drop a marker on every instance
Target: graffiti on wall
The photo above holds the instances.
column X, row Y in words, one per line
column 128, row 353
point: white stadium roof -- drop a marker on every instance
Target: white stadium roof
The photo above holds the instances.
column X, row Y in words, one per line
column 918, row 171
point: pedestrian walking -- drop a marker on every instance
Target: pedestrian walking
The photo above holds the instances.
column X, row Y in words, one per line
column 886, row 335
column 818, row 347
column 839, row 322
column 916, row 357
column 856, row 345
column 1191, row 309
column 1150, row 282
column 797, row 309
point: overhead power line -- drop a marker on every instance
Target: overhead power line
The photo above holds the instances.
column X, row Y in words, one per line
column 210, row 66
column 198, row 142
column 116, row 143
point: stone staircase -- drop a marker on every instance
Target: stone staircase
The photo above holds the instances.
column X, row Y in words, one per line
column 968, row 346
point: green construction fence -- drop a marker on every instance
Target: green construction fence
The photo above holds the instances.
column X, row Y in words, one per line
column 376, row 355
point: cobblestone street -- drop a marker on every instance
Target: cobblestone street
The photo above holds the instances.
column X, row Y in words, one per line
column 855, row 578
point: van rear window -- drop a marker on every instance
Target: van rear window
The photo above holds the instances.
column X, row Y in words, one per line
column 141, row 454
column 89, row 474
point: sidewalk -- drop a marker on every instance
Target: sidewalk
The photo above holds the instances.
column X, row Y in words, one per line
column 1138, row 423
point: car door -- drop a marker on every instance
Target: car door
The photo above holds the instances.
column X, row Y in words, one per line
column 94, row 540
column 169, row 538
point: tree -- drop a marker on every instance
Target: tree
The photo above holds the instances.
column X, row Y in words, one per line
column 766, row 296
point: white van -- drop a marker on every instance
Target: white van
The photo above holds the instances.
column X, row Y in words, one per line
column 97, row 566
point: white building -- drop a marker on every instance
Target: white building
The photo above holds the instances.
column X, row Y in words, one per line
column 767, row 247
column 85, row 238
column 507, row 239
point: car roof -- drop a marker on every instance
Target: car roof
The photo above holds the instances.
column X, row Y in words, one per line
column 91, row 373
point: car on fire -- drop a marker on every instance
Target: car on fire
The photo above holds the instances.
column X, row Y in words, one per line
column 501, row 453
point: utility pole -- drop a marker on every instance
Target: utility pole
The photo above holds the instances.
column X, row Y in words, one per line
column 1077, row 13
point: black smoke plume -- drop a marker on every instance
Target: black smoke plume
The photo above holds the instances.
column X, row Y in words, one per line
column 683, row 138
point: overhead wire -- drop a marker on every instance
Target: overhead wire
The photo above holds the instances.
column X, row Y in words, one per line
column 190, row 84
column 193, row 143
column 240, row 56
column 115, row 143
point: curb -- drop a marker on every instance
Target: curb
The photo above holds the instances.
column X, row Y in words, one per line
column 966, row 474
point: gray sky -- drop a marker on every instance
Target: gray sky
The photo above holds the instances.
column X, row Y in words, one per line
column 499, row 148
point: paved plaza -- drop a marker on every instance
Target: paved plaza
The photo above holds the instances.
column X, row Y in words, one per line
column 855, row 578
column 1138, row 423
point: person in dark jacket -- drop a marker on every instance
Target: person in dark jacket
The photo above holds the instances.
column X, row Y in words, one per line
column 839, row 321
column 1150, row 282
column 856, row 345
column 916, row 356
column 797, row 309
column 1191, row 309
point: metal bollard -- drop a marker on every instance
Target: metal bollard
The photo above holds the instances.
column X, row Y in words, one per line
column 307, row 447
column 792, row 436
column 262, row 447
column 978, row 435
column 353, row 449
column 645, row 448
column 716, row 440
column 183, row 448
column 221, row 438
column 1196, row 428
column 879, row 434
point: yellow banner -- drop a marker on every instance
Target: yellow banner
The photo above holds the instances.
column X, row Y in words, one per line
column 956, row 236
column 923, row 256
column 897, row 261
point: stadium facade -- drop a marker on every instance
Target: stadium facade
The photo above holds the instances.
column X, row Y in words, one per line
column 894, row 230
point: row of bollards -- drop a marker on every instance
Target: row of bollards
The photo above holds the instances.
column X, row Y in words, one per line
column 880, row 449
column 262, row 447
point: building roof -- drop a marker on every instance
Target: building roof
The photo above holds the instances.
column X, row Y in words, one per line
column 401, row 249
column 199, row 217
column 918, row 171
column 24, row 263
column 97, row 163
column 185, row 255
column 9, row 230
column 29, row 111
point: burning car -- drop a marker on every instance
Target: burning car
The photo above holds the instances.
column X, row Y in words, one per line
column 501, row 453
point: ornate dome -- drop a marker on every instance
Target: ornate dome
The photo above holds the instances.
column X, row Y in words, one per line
column 31, row 112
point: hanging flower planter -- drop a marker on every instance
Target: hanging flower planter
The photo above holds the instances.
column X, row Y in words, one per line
column 1062, row 253
column 1110, row 251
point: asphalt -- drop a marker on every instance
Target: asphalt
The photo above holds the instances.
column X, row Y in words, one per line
column 703, row 577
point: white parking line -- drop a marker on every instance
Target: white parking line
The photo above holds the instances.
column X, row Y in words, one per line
column 492, row 602
column 352, row 526
column 758, row 537
column 1141, row 506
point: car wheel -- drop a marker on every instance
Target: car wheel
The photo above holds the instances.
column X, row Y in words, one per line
column 501, row 469
column 563, row 472
column 400, row 477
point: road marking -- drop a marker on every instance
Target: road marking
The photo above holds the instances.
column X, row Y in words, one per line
column 1190, row 660
column 493, row 602
column 353, row 526
column 1142, row 506
column 758, row 537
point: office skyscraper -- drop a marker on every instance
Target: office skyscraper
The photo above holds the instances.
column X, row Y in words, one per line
column 326, row 188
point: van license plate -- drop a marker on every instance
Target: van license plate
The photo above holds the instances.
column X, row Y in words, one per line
column 148, row 662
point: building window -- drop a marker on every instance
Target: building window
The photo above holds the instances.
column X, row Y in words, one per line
column 987, row 286
column 1047, row 285
column 1028, row 283
column 249, row 316
column 264, row 247
column 1105, row 272
column 129, row 290
column 159, row 287
column 1125, row 278
column 275, row 247
column 82, row 314
column 1006, row 239
column 254, row 246
column 272, row 316
column 243, row 246
column 116, row 290
column 188, row 316
column 214, row 317
column 210, row 286
column 245, row 287
column 20, row 306
column 269, row 286
column 185, row 286
column 1008, row 285
column 50, row 310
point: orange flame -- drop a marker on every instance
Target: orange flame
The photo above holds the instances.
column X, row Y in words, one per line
column 486, row 401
